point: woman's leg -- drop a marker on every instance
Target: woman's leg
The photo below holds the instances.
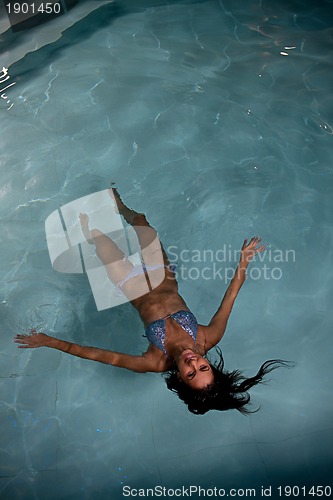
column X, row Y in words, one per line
column 114, row 260
column 150, row 244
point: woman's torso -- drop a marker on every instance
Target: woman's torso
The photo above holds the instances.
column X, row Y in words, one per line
column 160, row 303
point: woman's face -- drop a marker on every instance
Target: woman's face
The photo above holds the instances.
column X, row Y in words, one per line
column 194, row 370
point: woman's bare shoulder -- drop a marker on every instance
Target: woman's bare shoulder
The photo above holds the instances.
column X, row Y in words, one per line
column 202, row 343
column 158, row 359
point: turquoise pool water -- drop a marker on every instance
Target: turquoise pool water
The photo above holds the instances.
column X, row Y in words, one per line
column 214, row 118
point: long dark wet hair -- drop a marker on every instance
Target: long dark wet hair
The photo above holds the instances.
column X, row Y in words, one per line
column 229, row 390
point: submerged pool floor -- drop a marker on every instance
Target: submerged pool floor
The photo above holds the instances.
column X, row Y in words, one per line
column 214, row 118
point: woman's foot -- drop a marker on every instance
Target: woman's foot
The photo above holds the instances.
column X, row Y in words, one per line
column 84, row 220
column 116, row 198
column 120, row 207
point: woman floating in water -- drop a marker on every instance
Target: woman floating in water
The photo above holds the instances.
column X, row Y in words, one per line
column 178, row 344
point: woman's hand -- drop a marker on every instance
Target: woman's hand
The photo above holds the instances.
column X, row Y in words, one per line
column 249, row 250
column 32, row 341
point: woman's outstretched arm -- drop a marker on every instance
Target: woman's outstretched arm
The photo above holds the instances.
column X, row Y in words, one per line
column 217, row 326
column 142, row 364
